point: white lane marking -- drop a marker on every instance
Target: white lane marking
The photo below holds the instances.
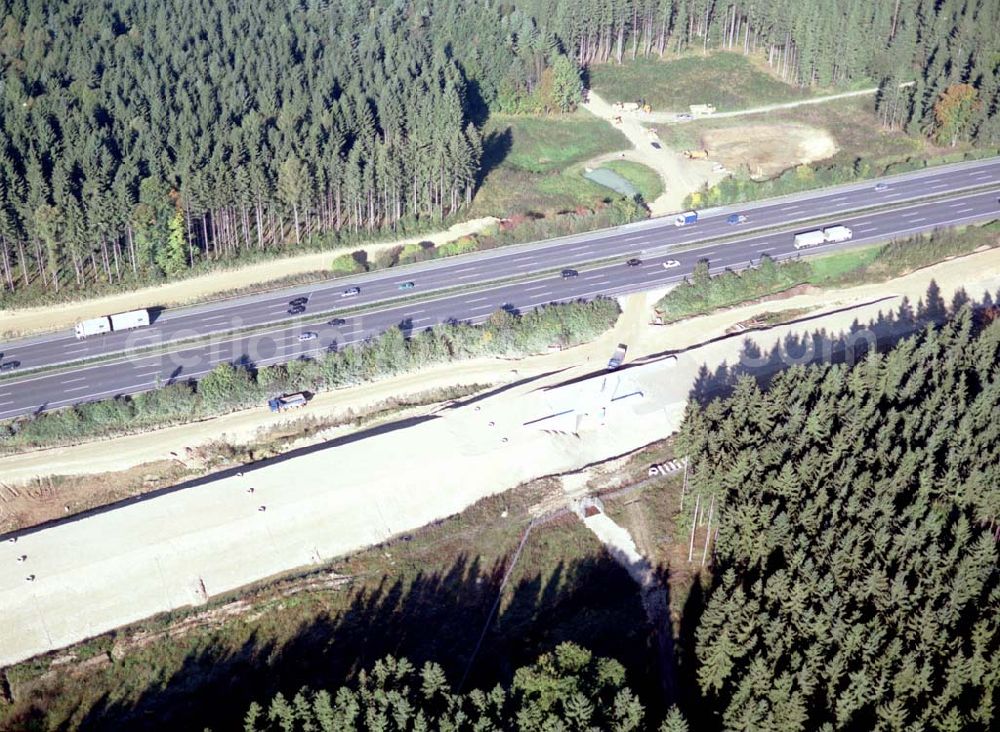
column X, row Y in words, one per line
column 76, row 350
column 939, row 185
column 768, row 249
column 9, row 401
column 964, row 210
column 77, row 388
column 917, row 221
column 477, row 299
column 73, row 381
column 862, row 223
column 534, row 289
column 789, row 208
column 860, row 229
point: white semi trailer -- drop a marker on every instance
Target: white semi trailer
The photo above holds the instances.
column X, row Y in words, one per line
column 131, row 319
column 829, row 235
column 108, row 323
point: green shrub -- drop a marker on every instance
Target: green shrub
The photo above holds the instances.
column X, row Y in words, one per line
column 702, row 293
column 227, row 387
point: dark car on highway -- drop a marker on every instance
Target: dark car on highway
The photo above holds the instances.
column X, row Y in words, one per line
column 336, row 322
column 9, row 366
column 655, row 145
column 296, row 309
column 298, row 301
column 569, row 274
column 634, row 262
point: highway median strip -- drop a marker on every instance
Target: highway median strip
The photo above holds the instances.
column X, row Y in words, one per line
column 449, row 292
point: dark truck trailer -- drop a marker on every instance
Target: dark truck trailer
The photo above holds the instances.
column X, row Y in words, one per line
column 288, row 401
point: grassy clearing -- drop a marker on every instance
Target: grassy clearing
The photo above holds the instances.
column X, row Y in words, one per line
column 887, row 261
column 645, row 180
column 533, row 164
column 424, row 596
column 864, row 150
column 851, row 122
column 701, row 294
column 730, row 81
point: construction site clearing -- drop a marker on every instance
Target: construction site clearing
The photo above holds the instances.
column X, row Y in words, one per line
column 181, row 546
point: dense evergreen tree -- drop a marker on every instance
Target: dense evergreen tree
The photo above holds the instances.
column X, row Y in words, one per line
column 856, row 561
column 567, row 689
column 265, row 124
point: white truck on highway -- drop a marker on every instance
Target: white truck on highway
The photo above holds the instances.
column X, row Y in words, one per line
column 108, row 323
column 829, row 235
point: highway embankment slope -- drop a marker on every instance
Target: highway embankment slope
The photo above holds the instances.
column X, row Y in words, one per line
column 179, row 548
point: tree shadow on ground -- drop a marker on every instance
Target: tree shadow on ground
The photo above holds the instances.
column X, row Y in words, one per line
column 436, row 616
column 497, row 145
column 821, row 346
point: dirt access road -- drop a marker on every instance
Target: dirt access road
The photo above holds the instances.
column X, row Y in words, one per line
column 680, row 175
column 670, row 117
column 183, row 547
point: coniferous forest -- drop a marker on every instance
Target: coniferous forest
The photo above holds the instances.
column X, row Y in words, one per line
column 856, row 576
column 139, row 137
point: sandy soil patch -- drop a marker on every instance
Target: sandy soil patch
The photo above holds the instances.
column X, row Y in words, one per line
column 767, row 150
column 188, row 545
column 205, row 287
column 680, row 176
column 24, row 491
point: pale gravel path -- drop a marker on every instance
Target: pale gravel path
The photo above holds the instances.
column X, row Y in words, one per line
column 23, row 321
column 114, row 568
column 680, row 176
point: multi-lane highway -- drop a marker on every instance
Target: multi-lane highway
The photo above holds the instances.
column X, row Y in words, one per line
column 893, row 212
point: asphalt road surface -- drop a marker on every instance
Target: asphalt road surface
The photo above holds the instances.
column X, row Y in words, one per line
column 650, row 240
column 476, row 269
column 282, row 342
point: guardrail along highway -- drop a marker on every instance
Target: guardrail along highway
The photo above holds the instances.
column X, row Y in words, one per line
column 953, row 195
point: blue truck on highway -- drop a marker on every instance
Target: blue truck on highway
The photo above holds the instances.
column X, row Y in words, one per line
column 686, row 218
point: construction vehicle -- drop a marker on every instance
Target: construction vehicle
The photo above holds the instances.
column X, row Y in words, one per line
column 696, row 154
column 108, row 323
column 688, row 217
column 287, row 401
column 618, row 357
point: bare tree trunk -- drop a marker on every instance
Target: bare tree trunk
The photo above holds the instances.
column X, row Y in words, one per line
column 694, row 525
column 22, row 260
column 708, row 532
column 6, row 263
column 131, row 246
